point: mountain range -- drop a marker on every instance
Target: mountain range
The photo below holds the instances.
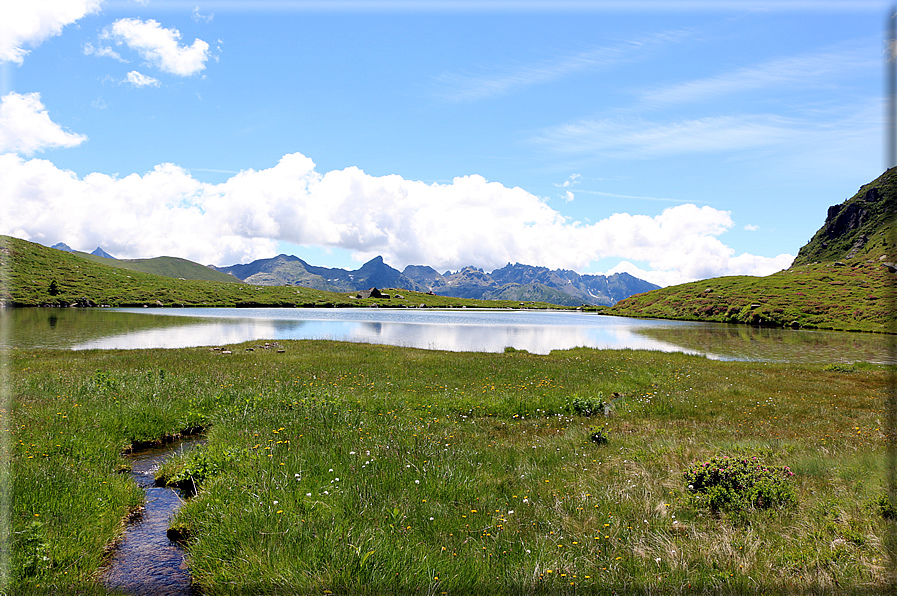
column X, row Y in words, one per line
column 511, row 282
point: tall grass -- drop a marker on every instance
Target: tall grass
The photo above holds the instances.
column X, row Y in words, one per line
column 372, row 469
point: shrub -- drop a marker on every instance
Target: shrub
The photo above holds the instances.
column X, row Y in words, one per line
column 885, row 508
column 597, row 435
column 586, row 406
column 843, row 368
column 733, row 484
column 202, row 464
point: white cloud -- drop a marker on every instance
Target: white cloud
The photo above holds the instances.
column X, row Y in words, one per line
column 25, row 126
column 30, row 23
column 573, row 179
column 201, row 18
column 568, row 196
column 470, row 221
column 102, row 51
column 751, row 228
column 159, row 46
column 140, row 80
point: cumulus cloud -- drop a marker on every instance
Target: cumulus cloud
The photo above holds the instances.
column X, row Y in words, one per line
column 751, row 227
column 159, row 46
column 30, row 23
column 470, row 221
column 141, row 80
column 25, row 126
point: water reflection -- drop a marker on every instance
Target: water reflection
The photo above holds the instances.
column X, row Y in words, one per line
column 468, row 331
column 453, row 330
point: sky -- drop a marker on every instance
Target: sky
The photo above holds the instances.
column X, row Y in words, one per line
column 673, row 140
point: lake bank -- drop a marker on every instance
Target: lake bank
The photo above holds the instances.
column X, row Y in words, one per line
column 487, row 445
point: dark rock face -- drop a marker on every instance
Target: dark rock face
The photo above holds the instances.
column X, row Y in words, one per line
column 857, row 228
column 844, row 218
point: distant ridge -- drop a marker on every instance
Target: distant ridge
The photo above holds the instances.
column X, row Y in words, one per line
column 512, row 282
column 63, row 247
column 99, row 252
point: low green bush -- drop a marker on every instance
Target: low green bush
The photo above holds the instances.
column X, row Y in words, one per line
column 885, row 508
column 586, row 406
column 733, row 484
column 598, row 435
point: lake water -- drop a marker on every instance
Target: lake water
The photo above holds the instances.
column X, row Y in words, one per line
column 453, row 329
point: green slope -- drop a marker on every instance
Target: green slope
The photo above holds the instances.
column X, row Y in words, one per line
column 861, row 226
column 34, row 275
column 165, row 266
column 842, row 279
column 852, row 297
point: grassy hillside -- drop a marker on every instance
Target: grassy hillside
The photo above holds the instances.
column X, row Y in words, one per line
column 35, row 275
column 859, row 227
column 842, row 279
column 855, row 296
column 165, row 266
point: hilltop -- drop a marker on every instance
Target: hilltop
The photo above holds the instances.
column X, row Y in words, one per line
column 36, row 275
column 843, row 278
column 858, row 228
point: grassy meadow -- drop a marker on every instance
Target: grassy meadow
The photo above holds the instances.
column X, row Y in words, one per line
column 853, row 295
column 361, row 469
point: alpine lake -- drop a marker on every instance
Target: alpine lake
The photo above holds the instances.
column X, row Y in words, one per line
column 456, row 330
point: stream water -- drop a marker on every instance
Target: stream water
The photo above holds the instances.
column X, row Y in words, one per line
column 146, row 562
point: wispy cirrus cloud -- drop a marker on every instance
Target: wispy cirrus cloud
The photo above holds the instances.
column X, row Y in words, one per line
column 637, row 137
column 461, row 88
column 821, row 69
column 102, row 52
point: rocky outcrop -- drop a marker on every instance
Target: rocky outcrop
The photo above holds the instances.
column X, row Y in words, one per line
column 860, row 227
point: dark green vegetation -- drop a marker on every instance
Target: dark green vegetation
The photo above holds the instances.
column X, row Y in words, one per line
column 844, row 278
column 41, row 276
column 371, row 469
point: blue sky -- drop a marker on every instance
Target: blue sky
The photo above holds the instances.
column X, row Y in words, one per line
column 673, row 140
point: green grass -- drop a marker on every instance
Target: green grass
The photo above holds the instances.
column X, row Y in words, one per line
column 165, row 266
column 41, row 276
column 457, row 471
column 854, row 297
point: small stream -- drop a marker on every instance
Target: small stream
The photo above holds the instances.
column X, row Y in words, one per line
column 146, row 562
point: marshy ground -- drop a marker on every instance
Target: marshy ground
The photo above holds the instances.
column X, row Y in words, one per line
column 368, row 469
